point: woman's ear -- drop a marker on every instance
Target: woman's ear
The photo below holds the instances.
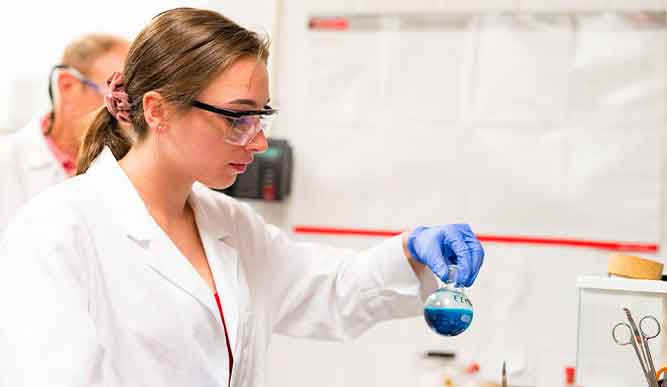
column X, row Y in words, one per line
column 155, row 112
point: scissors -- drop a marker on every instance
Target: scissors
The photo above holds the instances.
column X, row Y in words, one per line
column 638, row 337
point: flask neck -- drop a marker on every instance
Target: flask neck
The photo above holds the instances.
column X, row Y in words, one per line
column 452, row 287
column 452, row 278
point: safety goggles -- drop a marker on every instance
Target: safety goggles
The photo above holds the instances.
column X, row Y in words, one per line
column 245, row 125
column 76, row 74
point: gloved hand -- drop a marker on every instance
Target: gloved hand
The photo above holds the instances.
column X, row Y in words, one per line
column 452, row 244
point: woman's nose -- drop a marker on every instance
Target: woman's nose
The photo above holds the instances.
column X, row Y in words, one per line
column 258, row 144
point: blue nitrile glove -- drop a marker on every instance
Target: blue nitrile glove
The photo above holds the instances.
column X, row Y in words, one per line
column 452, row 244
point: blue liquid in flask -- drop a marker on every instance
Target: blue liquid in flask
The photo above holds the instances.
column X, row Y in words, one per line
column 448, row 311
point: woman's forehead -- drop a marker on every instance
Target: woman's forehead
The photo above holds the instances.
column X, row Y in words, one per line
column 246, row 81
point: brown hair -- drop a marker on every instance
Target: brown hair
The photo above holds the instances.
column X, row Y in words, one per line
column 177, row 55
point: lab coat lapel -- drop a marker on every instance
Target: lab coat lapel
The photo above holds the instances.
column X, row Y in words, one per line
column 166, row 259
column 225, row 266
column 223, row 259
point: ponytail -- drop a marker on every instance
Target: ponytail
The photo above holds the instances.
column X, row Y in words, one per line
column 103, row 131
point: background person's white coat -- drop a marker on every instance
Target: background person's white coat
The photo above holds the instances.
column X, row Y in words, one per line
column 27, row 167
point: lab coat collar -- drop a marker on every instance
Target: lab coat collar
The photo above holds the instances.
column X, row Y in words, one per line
column 38, row 167
column 34, row 148
column 129, row 211
column 117, row 191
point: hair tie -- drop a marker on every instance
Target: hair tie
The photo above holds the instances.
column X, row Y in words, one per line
column 116, row 99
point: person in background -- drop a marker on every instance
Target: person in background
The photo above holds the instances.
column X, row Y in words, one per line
column 136, row 273
column 44, row 152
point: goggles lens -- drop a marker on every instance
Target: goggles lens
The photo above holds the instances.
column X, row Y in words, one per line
column 245, row 125
column 245, row 129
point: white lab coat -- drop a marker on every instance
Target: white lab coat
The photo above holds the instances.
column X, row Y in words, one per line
column 27, row 167
column 94, row 293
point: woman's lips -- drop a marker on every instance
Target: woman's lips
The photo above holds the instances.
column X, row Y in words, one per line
column 240, row 168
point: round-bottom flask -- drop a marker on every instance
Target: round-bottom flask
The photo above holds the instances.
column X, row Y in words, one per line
column 448, row 311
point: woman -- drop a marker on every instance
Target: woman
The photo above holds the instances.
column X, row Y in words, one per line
column 134, row 273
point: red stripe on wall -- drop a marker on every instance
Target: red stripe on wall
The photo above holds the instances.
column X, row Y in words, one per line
column 509, row 239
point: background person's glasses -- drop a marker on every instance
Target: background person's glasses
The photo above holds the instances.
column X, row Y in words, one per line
column 245, row 125
column 76, row 74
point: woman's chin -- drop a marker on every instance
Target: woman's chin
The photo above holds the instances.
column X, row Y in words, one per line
column 219, row 182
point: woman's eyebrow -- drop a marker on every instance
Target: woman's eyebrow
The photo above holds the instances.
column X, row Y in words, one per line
column 247, row 102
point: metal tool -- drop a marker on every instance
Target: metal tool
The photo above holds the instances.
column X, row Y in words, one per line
column 638, row 338
column 504, row 377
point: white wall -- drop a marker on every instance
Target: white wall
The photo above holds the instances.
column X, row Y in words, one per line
column 519, row 125
column 34, row 33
